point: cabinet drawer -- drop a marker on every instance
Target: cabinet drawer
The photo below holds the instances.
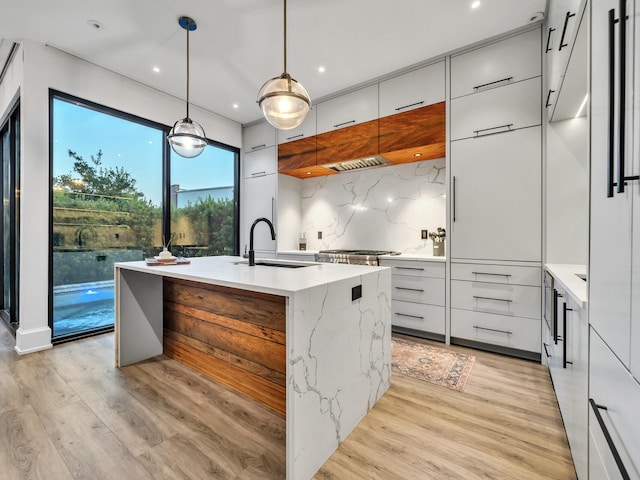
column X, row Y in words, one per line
column 260, row 162
column 509, row 274
column 258, row 136
column 497, row 111
column 511, row 332
column 305, row 130
column 427, row 318
column 418, row 289
column 612, row 386
column 414, row 268
column 348, row 110
column 510, row 60
column 415, row 89
column 498, row 298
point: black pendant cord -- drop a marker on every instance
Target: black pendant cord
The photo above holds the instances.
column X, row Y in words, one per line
column 188, row 28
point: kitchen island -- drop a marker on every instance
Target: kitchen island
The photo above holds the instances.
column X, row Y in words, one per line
column 318, row 335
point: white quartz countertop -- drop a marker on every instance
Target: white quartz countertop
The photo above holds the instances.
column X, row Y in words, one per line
column 565, row 275
column 298, row 252
column 415, row 256
column 226, row 271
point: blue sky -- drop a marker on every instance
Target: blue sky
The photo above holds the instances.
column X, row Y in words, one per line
column 135, row 147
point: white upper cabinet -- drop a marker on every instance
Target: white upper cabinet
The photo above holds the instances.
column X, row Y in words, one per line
column 498, row 110
column 260, row 162
column 347, row 110
column 305, row 130
column 255, row 137
column 498, row 64
column 415, row 89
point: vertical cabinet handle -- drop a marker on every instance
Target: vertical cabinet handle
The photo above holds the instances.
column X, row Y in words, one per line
column 547, row 104
column 622, row 77
column 612, row 100
column 555, row 315
column 549, row 40
column 273, row 209
column 605, row 431
column 564, row 30
column 453, row 199
column 565, row 337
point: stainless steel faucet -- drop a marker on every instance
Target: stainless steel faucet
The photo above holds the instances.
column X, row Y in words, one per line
column 252, row 253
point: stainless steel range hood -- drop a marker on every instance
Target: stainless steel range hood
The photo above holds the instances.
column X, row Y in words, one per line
column 358, row 163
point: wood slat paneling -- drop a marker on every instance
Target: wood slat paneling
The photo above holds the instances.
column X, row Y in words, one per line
column 236, row 337
column 255, row 387
column 348, row 143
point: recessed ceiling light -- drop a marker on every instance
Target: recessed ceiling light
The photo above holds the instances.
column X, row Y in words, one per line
column 156, row 69
column 235, row 105
column 475, row 4
column 321, row 69
column 96, row 25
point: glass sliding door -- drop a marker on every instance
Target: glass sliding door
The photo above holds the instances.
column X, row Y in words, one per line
column 107, row 199
column 9, row 227
column 204, row 200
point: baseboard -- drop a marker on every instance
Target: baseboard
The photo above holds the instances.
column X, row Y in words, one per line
column 33, row 340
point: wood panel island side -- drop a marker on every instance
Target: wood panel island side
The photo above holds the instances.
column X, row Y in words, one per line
column 302, row 341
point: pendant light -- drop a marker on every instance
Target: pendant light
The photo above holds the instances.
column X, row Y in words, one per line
column 187, row 137
column 284, row 102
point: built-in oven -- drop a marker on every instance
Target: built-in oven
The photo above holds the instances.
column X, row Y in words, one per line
column 551, row 306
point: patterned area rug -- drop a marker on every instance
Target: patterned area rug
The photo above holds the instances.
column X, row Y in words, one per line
column 431, row 364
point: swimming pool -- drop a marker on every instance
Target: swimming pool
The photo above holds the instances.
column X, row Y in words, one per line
column 82, row 307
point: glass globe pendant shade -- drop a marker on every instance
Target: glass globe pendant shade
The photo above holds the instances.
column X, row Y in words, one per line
column 284, row 102
column 187, row 138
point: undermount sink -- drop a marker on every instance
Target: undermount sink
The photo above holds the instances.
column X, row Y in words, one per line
column 275, row 263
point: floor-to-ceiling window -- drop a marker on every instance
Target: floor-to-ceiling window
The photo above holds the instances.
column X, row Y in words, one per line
column 9, row 227
column 112, row 197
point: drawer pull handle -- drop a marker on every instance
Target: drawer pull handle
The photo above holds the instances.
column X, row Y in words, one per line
column 564, row 30
column 495, row 274
column 491, row 298
column 410, row 268
column 296, row 136
column 410, row 105
column 549, row 39
column 410, row 289
column 492, row 329
column 508, row 79
column 343, row 123
column 547, row 104
column 259, row 173
column 545, row 350
column 410, row 316
column 605, row 431
column 507, row 126
column 259, row 146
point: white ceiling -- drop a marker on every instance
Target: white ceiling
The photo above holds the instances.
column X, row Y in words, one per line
column 238, row 43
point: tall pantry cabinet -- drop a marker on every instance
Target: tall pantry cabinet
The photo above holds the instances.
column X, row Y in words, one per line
column 496, row 202
column 614, row 257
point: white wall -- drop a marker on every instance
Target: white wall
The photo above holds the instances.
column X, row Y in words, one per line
column 567, row 215
column 380, row 208
column 43, row 68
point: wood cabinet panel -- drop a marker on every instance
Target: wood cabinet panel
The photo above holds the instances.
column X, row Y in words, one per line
column 297, row 154
column 348, row 143
column 234, row 336
column 424, row 126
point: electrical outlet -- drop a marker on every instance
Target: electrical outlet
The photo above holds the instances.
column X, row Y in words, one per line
column 319, row 235
column 424, row 234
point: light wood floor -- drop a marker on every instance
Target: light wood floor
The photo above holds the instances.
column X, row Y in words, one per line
column 68, row 413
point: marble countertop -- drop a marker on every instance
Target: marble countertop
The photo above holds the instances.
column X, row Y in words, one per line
column 415, row 256
column 235, row 272
column 565, row 275
column 298, row 252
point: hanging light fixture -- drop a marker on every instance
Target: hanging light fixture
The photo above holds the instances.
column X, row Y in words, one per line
column 187, row 137
column 284, row 102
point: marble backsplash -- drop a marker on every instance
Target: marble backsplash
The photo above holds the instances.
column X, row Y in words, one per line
column 379, row 209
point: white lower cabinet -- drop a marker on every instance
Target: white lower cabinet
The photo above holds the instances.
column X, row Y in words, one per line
column 497, row 307
column 614, row 397
column 417, row 296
